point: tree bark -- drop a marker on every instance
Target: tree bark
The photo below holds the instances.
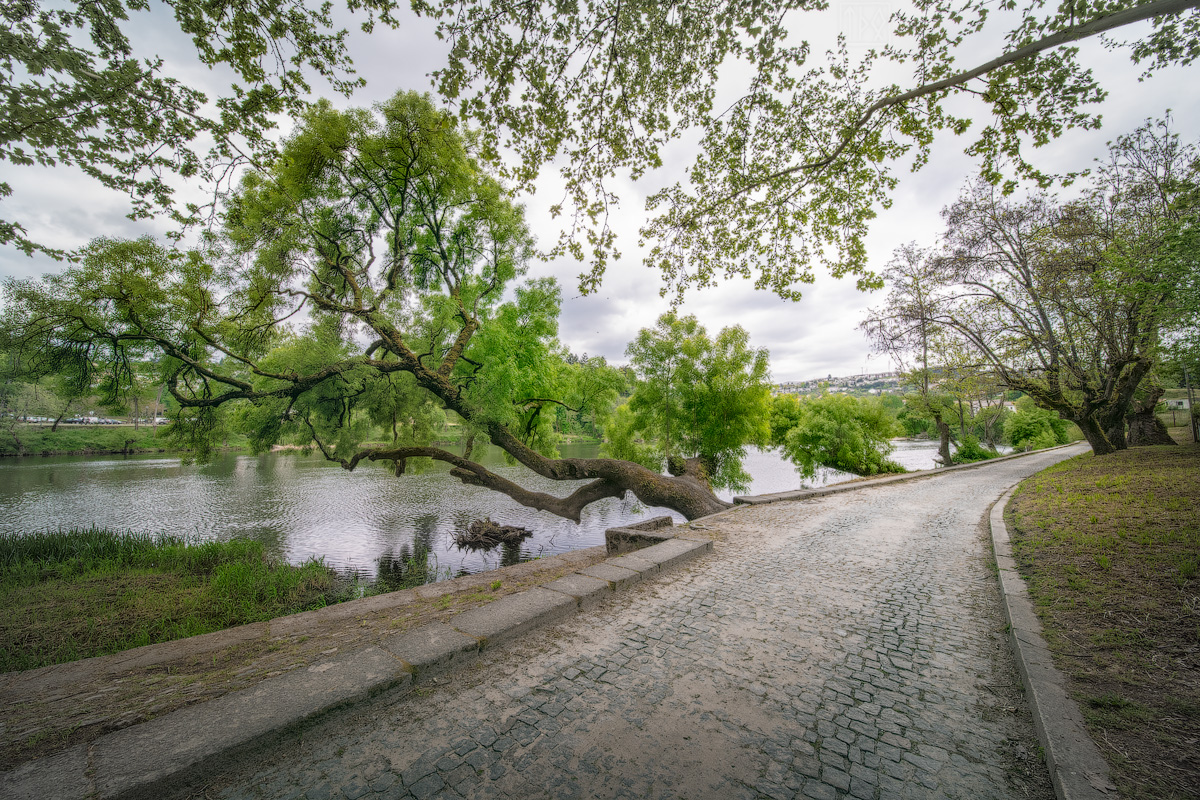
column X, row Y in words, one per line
column 689, row 493
column 1095, row 435
column 1145, row 428
column 943, row 441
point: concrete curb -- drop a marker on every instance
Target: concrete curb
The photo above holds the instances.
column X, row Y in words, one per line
column 1077, row 769
column 155, row 757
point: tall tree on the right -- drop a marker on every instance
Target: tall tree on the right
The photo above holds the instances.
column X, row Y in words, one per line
column 1069, row 303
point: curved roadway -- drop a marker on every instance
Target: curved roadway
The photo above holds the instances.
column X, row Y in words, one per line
column 845, row 646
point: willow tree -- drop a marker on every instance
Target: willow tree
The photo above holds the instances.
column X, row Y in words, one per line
column 697, row 403
column 360, row 279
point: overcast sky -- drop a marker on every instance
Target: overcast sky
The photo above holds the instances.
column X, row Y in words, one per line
column 814, row 337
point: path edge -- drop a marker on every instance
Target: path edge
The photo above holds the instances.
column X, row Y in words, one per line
column 1077, row 769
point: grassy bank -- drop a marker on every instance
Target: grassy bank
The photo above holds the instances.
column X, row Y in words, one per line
column 77, row 594
column 1110, row 548
column 39, row 440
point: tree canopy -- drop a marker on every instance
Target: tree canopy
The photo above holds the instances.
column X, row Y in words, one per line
column 368, row 275
column 81, row 87
column 696, row 396
column 1069, row 301
column 837, row 431
column 792, row 162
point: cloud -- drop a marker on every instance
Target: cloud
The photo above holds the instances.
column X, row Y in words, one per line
column 814, row 337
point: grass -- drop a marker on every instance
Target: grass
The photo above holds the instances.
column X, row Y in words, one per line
column 88, row 439
column 1109, row 547
column 40, row 440
column 77, row 594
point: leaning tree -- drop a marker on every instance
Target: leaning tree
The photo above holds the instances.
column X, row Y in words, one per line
column 367, row 276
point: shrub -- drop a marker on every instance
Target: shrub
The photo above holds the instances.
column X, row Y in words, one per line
column 971, row 451
column 1034, row 428
column 841, row 432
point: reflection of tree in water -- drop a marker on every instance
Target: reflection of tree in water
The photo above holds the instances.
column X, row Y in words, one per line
column 404, row 568
column 425, row 530
column 510, row 553
column 409, row 565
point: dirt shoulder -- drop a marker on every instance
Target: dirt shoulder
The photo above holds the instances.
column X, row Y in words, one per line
column 1110, row 548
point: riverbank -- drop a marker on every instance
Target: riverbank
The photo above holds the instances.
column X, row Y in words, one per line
column 89, row 440
column 71, row 595
column 51, row 709
column 1109, row 548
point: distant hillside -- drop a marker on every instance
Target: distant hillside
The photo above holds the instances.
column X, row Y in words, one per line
column 865, row 383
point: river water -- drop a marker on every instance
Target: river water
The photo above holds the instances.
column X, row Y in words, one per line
column 368, row 522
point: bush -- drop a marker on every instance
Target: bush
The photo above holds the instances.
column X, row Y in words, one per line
column 1034, row 428
column 971, row 451
column 841, row 432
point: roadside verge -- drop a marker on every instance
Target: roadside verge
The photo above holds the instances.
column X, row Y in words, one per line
column 1077, row 769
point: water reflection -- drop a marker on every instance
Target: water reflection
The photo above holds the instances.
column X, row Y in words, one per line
column 368, row 522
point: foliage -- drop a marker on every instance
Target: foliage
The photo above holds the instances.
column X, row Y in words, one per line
column 695, row 397
column 791, row 165
column 785, row 413
column 1067, row 302
column 969, row 451
column 1033, row 428
column 369, row 276
column 906, row 329
column 913, row 424
column 112, row 591
column 841, row 432
column 38, row 440
column 80, row 90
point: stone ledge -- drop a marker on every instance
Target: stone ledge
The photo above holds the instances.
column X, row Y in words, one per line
column 431, row 648
column 146, row 760
column 585, row 589
column 513, row 615
column 629, row 538
column 1077, row 769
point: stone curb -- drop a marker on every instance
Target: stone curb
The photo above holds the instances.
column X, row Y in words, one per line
column 154, row 757
column 1077, row 769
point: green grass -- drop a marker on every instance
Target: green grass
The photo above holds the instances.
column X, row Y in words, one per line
column 1109, row 547
column 40, row 440
column 77, row 594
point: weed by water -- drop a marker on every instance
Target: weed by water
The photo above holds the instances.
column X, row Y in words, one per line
column 75, row 594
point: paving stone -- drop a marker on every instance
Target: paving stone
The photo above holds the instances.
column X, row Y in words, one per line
column 827, row 648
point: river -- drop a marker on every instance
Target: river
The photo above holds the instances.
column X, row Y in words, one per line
column 367, row 522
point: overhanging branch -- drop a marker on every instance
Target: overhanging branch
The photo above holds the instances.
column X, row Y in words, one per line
column 1106, row 22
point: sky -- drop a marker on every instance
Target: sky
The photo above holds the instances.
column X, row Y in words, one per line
column 811, row 338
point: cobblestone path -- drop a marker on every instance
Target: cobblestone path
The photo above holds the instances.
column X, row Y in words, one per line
column 847, row 646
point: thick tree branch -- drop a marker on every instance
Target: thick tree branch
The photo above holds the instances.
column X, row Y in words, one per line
column 1106, row 22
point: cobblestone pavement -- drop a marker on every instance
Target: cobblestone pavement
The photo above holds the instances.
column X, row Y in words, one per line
column 847, row 646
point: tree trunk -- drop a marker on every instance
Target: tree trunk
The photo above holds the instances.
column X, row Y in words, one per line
column 1115, row 432
column 688, row 493
column 943, row 441
column 1095, row 436
column 1145, row 428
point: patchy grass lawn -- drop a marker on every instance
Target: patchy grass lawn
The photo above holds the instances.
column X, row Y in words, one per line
column 77, row 594
column 1110, row 548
